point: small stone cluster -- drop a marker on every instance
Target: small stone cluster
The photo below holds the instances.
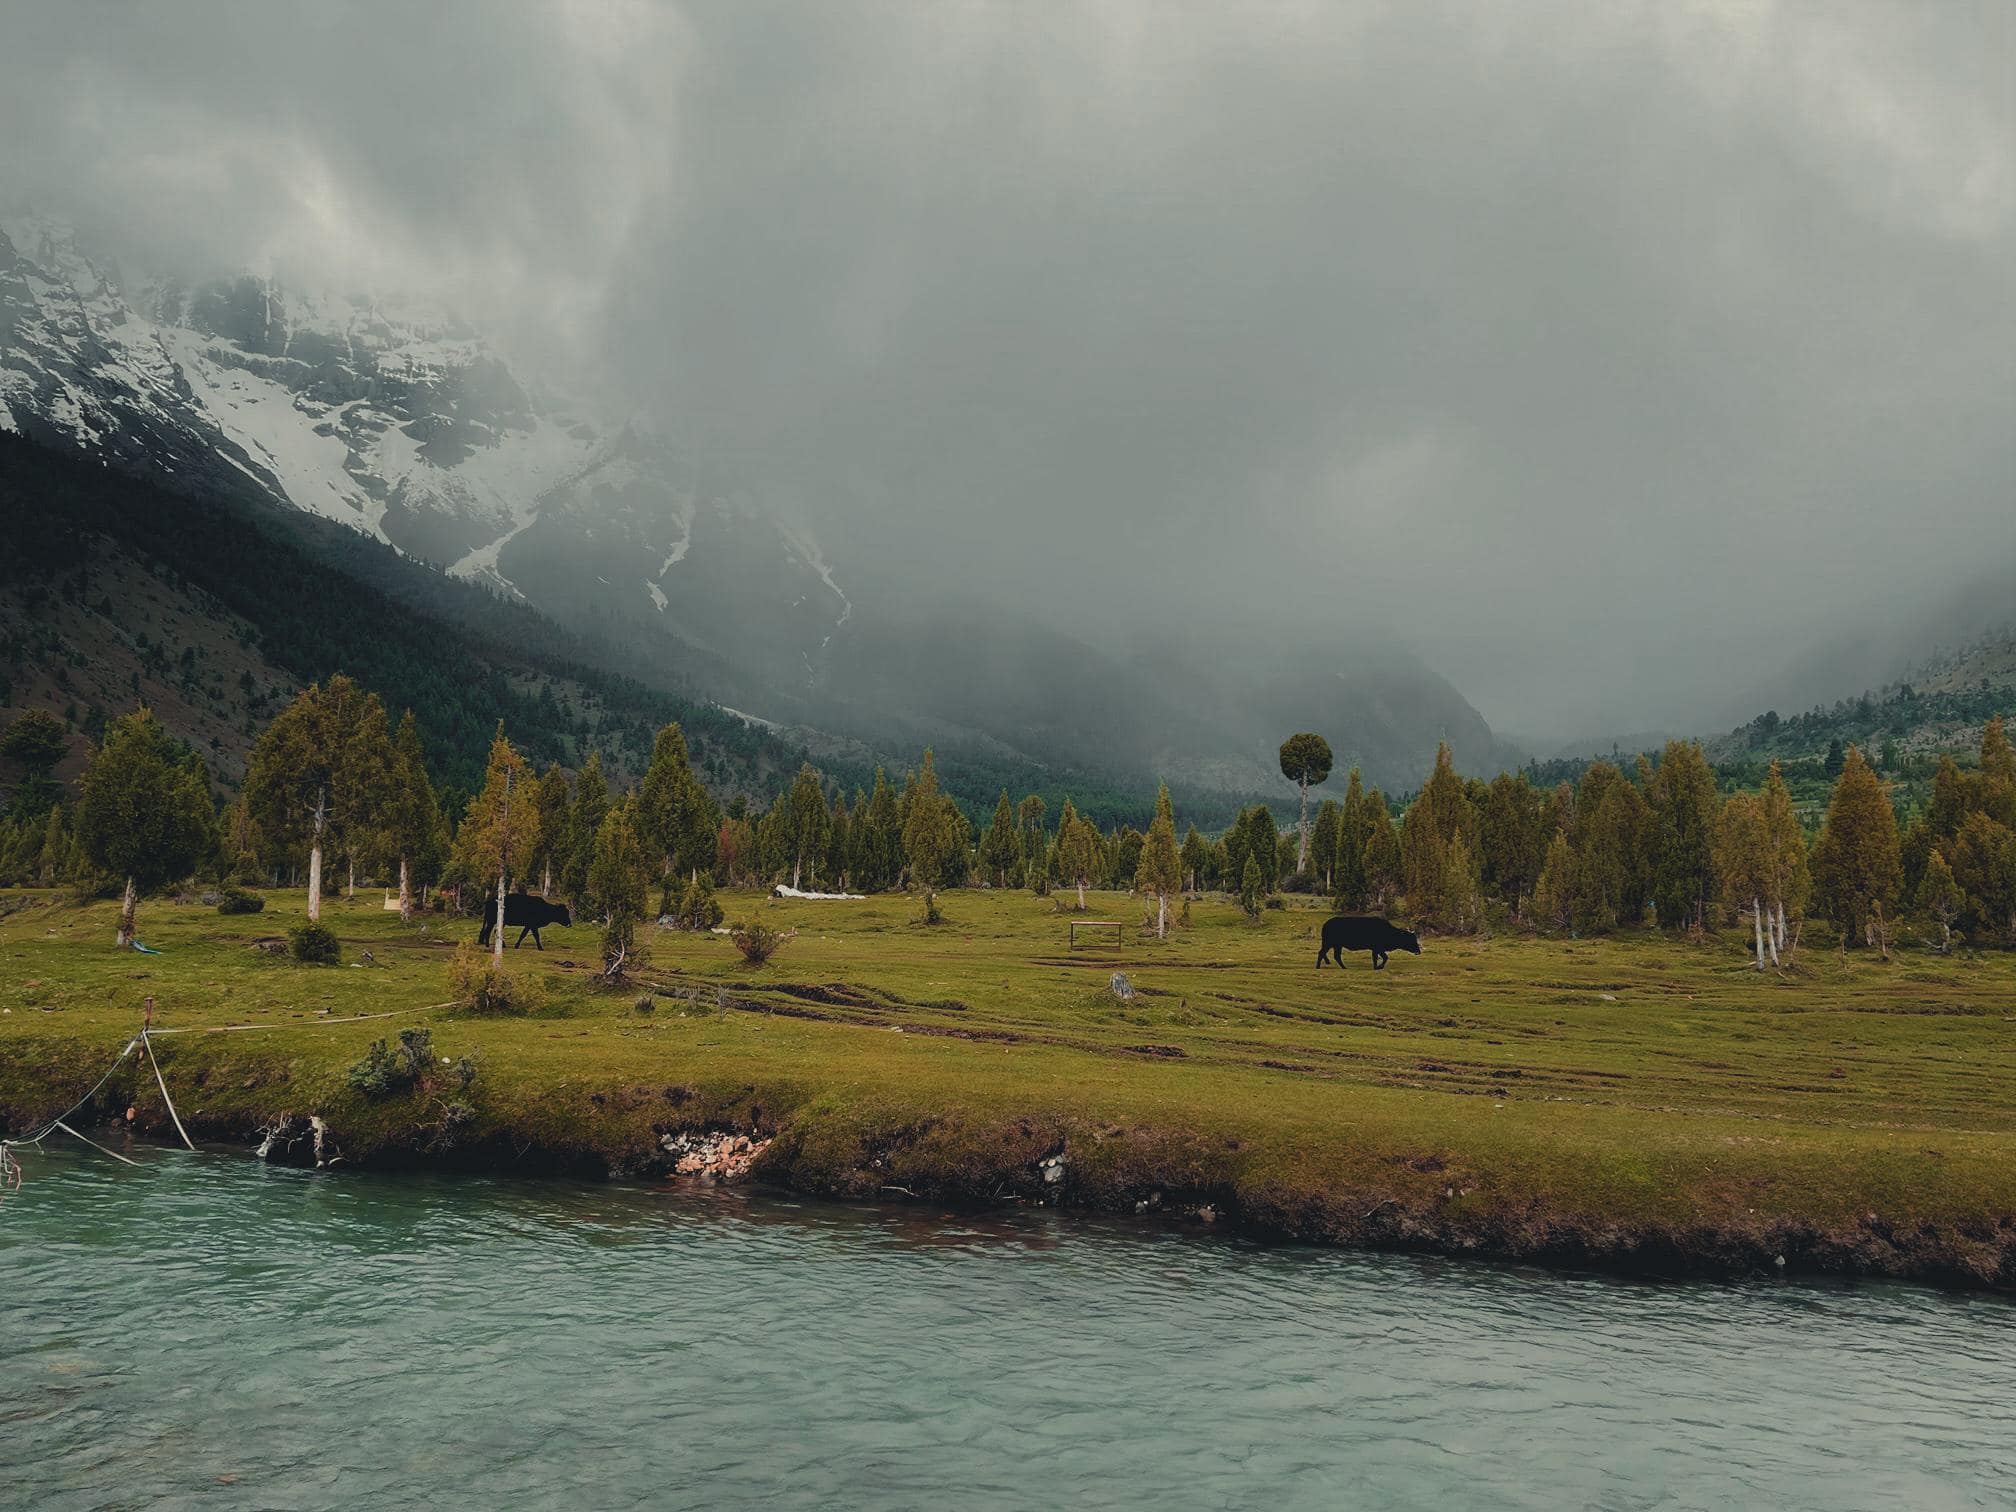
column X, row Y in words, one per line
column 716, row 1157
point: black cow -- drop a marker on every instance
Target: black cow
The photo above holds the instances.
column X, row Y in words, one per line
column 1358, row 932
column 530, row 911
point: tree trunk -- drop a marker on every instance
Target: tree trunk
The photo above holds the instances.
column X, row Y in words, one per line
column 1161, row 916
column 405, row 892
column 497, row 945
column 127, row 907
column 797, row 865
column 315, row 882
column 350, row 887
column 546, row 881
column 1302, row 849
column 1081, row 895
column 1771, row 936
column 1757, row 923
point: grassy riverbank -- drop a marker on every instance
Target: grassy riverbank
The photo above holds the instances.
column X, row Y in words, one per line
column 1638, row 1102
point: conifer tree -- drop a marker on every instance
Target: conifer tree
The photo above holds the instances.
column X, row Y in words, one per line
column 1029, row 814
column 1684, row 807
column 1382, row 852
column 1354, row 828
column 1855, row 863
column 839, row 860
column 584, row 824
column 555, row 806
column 502, row 825
column 1194, row 856
column 1746, row 865
column 1940, row 898
column 1249, row 888
column 1260, row 842
column 412, row 818
column 619, row 878
column 1984, row 866
column 1323, row 843
column 1459, row 906
column 931, row 839
column 879, row 848
column 144, row 815
column 1430, row 823
column 1160, row 870
column 1554, row 903
column 1001, row 846
column 1511, row 844
column 1077, row 850
column 33, row 744
column 314, row 777
column 807, row 821
column 674, row 817
column 1790, row 879
column 1305, row 761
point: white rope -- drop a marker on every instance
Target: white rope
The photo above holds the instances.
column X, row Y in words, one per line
column 355, row 1018
column 94, row 1144
column 162, row 1082
column 51, row 1126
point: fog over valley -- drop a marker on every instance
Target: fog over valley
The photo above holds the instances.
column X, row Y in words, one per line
column 1123, row 385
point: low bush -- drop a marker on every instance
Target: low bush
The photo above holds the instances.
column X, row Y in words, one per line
column 314, row 945
column 386, row 1072
column 697, row 908
column 483, row 987
column 1300, row 882
column 237, row 900
column 757, row 941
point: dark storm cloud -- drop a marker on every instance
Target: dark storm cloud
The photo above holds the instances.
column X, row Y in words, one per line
column 1611, row 354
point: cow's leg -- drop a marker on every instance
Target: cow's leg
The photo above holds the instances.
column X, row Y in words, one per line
column 535, row 938
column 521, row 937
column 1322, row 952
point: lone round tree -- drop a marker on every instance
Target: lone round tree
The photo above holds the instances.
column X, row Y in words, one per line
column 1305, row 761
column 145, row 814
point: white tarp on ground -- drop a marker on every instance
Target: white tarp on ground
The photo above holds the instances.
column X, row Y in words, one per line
column 785, row 890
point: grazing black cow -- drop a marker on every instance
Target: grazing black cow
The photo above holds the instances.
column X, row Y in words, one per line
column 530, row 911
column 1359, row 932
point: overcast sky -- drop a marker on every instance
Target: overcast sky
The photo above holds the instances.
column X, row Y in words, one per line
column 1617, row 355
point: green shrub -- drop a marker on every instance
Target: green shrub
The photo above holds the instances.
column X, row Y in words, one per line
column 483, row 987
column 757, row 941
column 314, row 945
column 697, row 907
column 385, row 1072
column 238, row 901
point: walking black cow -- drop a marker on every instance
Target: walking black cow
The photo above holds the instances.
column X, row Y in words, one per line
column 1359, row 932
column 528, row 910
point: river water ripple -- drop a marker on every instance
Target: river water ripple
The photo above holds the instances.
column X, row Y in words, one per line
column 213, row 1332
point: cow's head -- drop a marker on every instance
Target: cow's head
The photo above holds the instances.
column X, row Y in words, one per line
column 1410, row 941
column 566, row 919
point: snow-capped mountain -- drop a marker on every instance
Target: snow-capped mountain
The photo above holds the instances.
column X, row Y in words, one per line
column 404, row 423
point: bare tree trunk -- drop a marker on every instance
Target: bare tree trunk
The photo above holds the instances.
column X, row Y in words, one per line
column 797, row 865
column 1757, row 923
column 350, row 887
column 1161, row 916
column 127, row 907
column 497, row 945
column 546, row 881
column 1302, row 849
column 1771, row 935
column 1783, row 938
column 405, row 892
column 1081, row 895
column 315, row 860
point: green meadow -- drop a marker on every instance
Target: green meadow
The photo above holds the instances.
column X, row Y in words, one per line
column 1636, row 1102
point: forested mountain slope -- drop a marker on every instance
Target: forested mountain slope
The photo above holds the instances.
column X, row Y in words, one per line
column 114, row 591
